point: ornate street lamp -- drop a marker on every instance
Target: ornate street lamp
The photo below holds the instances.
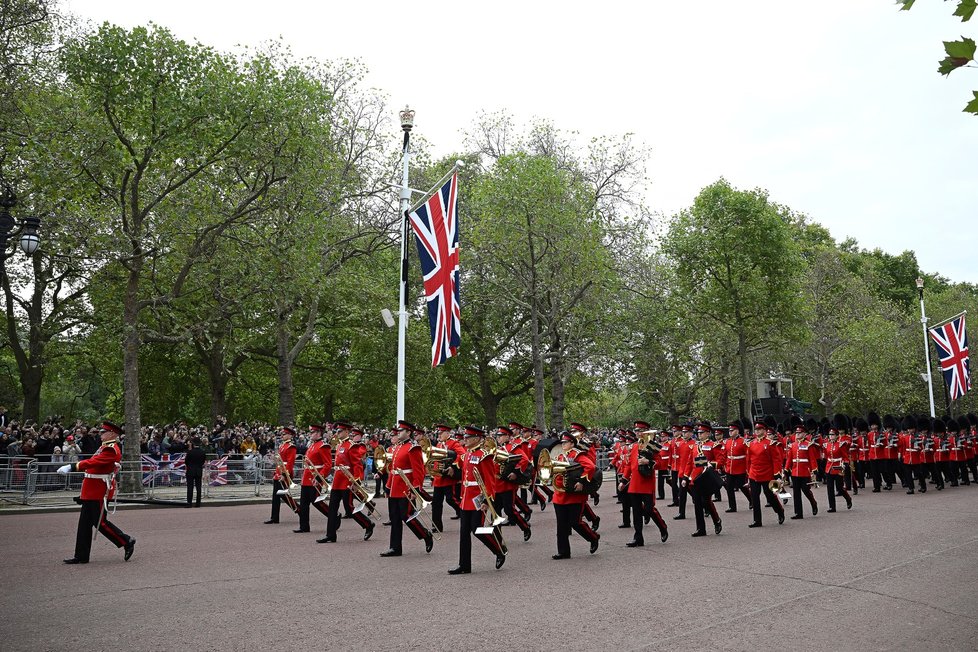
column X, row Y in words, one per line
column 29, row 240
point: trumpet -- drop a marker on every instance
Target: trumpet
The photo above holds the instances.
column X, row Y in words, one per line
column 360, row 493
column 778, row 487
column 419, row 504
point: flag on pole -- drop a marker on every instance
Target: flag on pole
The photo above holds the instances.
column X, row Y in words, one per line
column 435, row 225
column 951, row 339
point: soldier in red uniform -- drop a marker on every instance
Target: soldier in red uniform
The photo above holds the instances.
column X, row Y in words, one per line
column 972, row 454
column 735, row 458
column 405, row 457
column 315, row 469
column 588, row 449
column 682, row 457
column 97, row 489
column 569, row 500
column 909, row 453
column 763, row 463
column 506, row 486
column 639, row 482
column 889, row 454
column 663, row 465
column 699, row 459
column 446, row 476
column 521, row 441
column 478, row 471
column 835, row 464
column 281, row 482
column 801, row 464
column 350, row 451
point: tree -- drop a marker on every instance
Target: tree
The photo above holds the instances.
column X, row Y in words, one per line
column 959, row 53
column 738, row 266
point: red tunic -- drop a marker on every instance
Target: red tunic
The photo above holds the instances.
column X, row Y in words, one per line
column 348, row 454
column 663, row 461
column 683, row 456
column 287, row 452
column 568, row 497
column 318, row 456
column 471, row 460
column 735, row 450
column 802, row 459
column 637, row 483
column 720, row 455
column 502, row 484
column 101, row 464
column 406, row 457
column 835, row 458
column 763, row 460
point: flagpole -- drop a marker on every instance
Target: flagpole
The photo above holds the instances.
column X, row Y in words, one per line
column 407, row 122
column 941, row 323
column 923, row 323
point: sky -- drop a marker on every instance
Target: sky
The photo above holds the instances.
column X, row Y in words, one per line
column 835, row 108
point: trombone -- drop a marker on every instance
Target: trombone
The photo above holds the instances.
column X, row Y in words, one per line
column 360, row 493
column 419, row 504
column 318, row 479
column 486, row 504
column 286, row 476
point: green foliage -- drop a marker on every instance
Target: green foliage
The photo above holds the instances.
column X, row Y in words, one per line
column 959, row 53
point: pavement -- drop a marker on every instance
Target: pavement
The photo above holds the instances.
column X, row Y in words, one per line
column 896, row 572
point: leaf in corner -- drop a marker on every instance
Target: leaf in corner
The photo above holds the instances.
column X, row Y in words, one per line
column 972, row 106
column 966, row 8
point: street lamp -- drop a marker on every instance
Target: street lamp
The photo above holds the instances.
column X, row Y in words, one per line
column 29, row 239
column 923, row 323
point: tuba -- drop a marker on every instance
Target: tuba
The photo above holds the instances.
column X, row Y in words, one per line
column 435, row 458
column 549, row 470
column 648, row 449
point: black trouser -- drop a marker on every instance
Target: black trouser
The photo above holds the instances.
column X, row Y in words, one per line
column 833, row 484
column 644, row 507
column 89, row 518
column 972, row 464
column 627, row 500
column 443, row 495
column 755, row 499
column 569, row 518
column 472, row 519
column 889, row 469
column 344, row 496
column 504, row 503
column 519, row 501
column 861, row 466
column 193, row 481
column 875, row 470
column 733, row 484
column 662, row 478
column 307, row 497
column 799, row 486
column 674, row 483
column 702, row 502
column 400, row 510
column 279, row 485
column 683, row 492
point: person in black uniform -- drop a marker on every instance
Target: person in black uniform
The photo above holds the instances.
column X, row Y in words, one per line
column 194, row 464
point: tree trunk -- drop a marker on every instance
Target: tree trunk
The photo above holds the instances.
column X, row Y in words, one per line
column 723, row 402
column 742, row 355
column 539, row 400
column 490, row 408
column 131, row 482
column 557, row 387
column 329, row 405
column 286, row 398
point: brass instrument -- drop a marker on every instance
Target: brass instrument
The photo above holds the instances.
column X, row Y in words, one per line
column 286, row 476
column 433, row 456
column 648, row 448
column 419, row 504
column 486, row 504
column 549, row 469
column 381, row 460
column 777, row 485
column 361, row 493
column 505, row 460
column 320, row 481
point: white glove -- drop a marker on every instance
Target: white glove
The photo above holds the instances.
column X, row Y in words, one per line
column 64, row 470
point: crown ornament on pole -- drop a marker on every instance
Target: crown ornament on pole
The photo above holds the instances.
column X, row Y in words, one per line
column 407, row 118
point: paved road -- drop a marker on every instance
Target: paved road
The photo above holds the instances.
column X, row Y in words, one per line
column 897, row 572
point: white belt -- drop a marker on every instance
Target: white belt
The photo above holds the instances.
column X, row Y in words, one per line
column 835, row 459
column 470, row 484
column 95, row 476
column 313, row 466
column 404, row 471
column 736, row 457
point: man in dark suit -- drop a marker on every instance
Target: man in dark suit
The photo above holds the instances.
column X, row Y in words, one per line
column 194, row 464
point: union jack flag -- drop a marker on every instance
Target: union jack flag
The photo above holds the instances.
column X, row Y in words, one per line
column 162, row 471
column 435, row 226
column 217, row 471
column 952, row 350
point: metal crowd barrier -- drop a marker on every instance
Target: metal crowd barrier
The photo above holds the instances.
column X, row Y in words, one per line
column 30, row 481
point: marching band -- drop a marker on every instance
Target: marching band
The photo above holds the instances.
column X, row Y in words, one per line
column 484, row 478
